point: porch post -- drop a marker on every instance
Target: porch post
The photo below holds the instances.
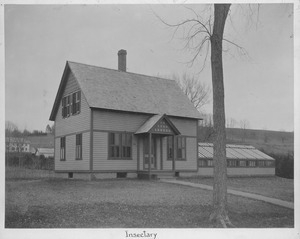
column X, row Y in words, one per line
column 161, row 154
column 149, row 157
column 173, row 163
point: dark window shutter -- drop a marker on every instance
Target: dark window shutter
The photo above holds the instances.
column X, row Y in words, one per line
column 74, row 104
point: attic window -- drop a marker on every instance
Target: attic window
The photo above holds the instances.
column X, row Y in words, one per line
column 71, row 104
column 76, row 103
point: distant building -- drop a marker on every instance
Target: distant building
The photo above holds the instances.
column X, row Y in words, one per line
column 242, row 160
column 17, row 144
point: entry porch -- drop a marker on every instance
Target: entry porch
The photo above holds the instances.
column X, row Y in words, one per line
column 156, row 147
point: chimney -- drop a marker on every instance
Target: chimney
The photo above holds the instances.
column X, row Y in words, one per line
column 122, row 60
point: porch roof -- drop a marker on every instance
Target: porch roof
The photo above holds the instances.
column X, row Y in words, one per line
column 153, row 121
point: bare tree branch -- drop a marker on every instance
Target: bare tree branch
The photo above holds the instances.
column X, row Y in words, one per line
column 194, row 89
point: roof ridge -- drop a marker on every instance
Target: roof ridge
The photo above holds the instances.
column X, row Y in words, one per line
column 133, row 73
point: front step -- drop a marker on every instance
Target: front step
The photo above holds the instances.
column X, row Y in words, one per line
column 157, row 175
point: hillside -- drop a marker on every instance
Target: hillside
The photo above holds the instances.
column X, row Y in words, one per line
column 276, row 142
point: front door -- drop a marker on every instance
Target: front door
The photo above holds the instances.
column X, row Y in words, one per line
column 152, row 153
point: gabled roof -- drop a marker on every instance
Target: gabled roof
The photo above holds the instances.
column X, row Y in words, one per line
column 117, row 90
column 233, row 151
column 151, row 123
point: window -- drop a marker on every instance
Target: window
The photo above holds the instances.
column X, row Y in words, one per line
column 181, row 148
column 261, row 163
column 126, row 145
column 170, row 150
column 71, row 104
column 120, row 145
column 78, row 146
column 206, row 163
column 63, row 148
column 242, row 163
column 269, row 164
column 202, row 163
column 63, row 107
column 210, row 163
column 68, row 106
column 231, row 163
column 76, row 103
column 251, row 163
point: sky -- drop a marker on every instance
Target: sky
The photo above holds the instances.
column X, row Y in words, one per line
column 39, row 39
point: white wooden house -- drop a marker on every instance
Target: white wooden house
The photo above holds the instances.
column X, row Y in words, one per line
column 107, row 120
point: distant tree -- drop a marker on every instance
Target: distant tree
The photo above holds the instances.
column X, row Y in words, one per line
column 244, row 124
column 26, row 132
column 282, row 135
column 14, row 138
column 48, row 129
column 232, row 123
column 38, row 132
column 266, row 137
column 197, row 91
column 53, row 128
column 206, row 129
column 10, row 127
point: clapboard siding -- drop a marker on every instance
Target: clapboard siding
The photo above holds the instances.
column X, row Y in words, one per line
column 100, row 155
column 57, row 151
column 74, row 123
column 141, row 145
column 167, row 164
column 125, row 121
column 71, row 85
column 118, row 121
column 100, row 149
column 71, row 163
column 191, row 160
column 187, row 127
column 158, row 164
column 164, row 154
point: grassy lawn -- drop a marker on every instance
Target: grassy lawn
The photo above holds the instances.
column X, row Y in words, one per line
column 58, row 203
column 275, row 187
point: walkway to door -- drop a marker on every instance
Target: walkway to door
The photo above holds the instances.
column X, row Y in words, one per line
column 274, row 201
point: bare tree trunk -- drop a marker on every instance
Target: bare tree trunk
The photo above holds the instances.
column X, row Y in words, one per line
column 219, row 215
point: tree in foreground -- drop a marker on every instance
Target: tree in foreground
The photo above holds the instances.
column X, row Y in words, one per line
column 213, row 36
column 219, row 214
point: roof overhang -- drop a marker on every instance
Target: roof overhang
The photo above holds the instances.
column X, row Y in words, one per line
column 59, row 92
